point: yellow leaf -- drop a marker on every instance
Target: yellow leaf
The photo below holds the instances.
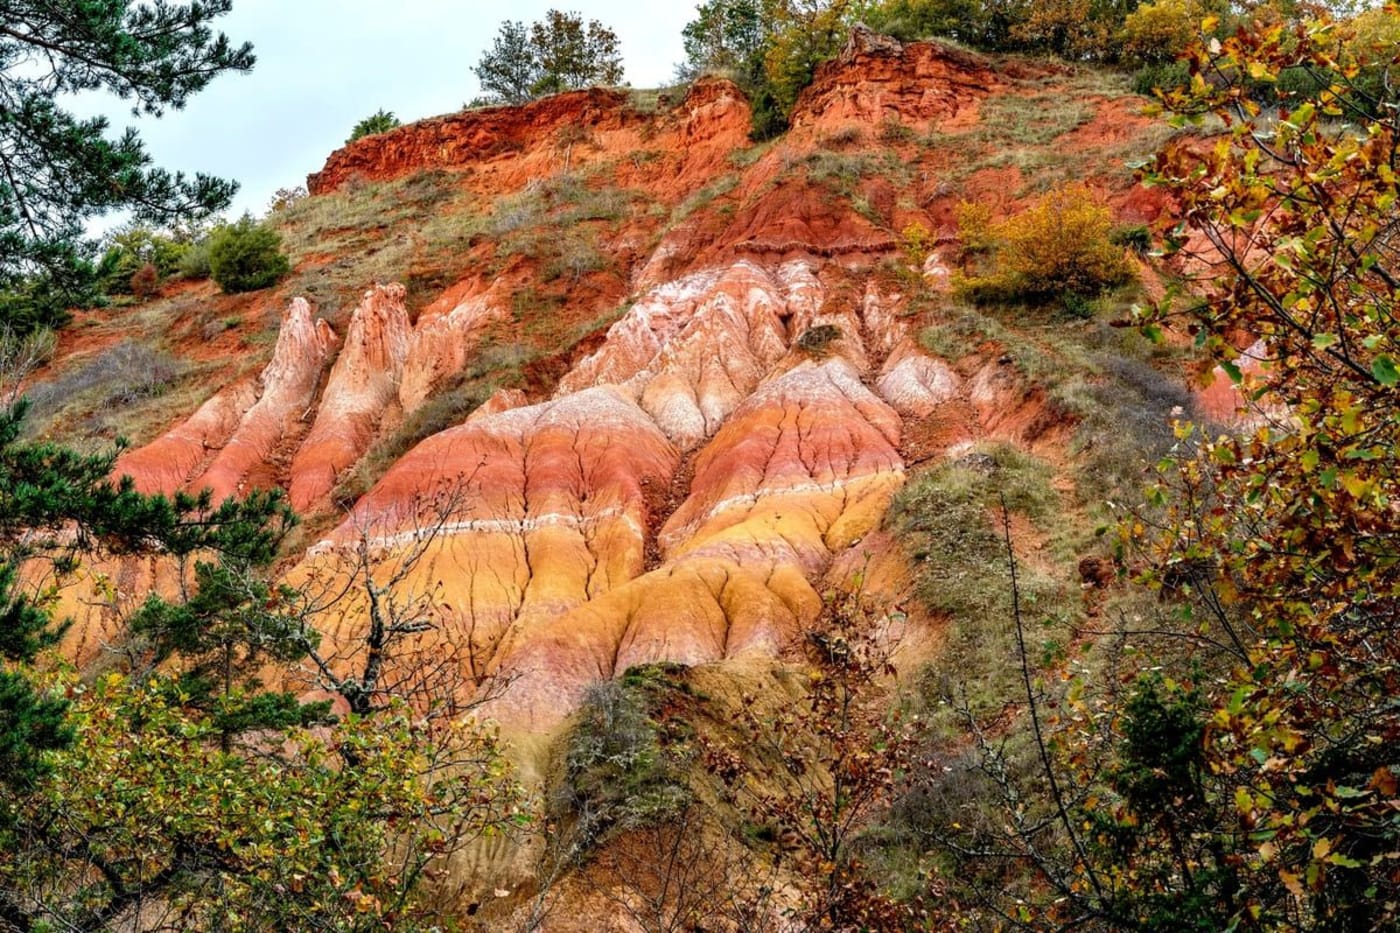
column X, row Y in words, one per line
column 1292, row 882
column 1357, row 486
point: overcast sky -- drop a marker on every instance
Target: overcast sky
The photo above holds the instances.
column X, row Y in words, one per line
column 324, row 64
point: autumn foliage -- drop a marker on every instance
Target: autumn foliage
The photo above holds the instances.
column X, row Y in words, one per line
column 1296, row 519
column 147, row 816
column 1248, row 780
column 1059, row 246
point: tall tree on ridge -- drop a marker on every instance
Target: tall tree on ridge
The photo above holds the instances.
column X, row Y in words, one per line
column 557, row 53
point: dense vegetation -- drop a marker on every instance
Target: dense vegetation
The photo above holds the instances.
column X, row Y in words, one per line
column 1221, row 761
column 772, row 48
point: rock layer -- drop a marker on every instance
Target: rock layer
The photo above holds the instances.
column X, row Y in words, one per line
column 877, row 79
column 802, row 469
column 530, row 513
column 511, row 145
column 363, row 384
column 244, row 428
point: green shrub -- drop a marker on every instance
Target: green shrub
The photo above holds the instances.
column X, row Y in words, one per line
column 817, row 340
column 616, row 771
column 1159, row 32
column 769, row 116
column 42, row 301
column 908, row 20
column 194, row 264
column 1162, row 76
column 380, row 122
column 1136, row 237
column 246, row 256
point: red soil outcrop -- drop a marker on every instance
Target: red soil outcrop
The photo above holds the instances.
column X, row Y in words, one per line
column 460, row 140
column 502, row 148
column 235, row 435
column 877, row 78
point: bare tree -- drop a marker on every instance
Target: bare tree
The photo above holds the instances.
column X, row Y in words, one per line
column 820, row 771
column 402, row 648
column 685, row 875
column 21, row 355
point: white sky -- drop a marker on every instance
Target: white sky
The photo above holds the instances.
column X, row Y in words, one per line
column 325, row 64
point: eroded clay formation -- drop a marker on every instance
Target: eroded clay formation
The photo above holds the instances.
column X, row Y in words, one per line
column 684, row 490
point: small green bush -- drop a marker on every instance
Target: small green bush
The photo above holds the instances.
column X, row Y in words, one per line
column 817, row 340
column 194, row 264
column 380, row 122
column 1163, row 76
column 1136, row 237
column 246, row 256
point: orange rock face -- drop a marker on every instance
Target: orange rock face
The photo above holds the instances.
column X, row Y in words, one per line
column 446, row 337
column 464, row 138
column 916, row 384
column 167, row 464
column 877, row 78
column 803, row 469
column 285, row 403
column 692, row 350
column 502, row 148
column 363, row 384
column 243, row 428
column 536, row 511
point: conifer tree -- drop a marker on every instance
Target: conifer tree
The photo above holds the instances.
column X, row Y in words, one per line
column 56, row 506
column 57, row 171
